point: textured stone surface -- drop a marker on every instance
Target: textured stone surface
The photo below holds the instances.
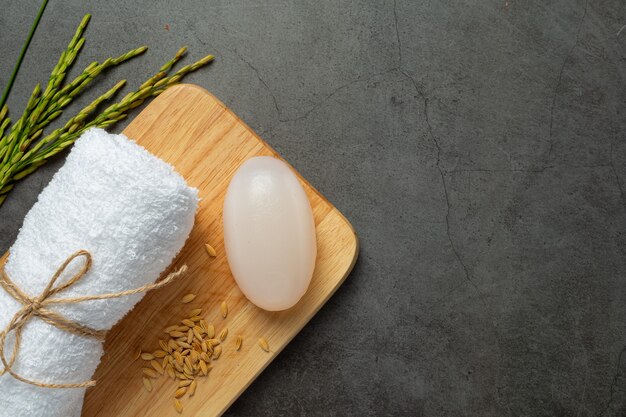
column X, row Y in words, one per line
column 478, row 148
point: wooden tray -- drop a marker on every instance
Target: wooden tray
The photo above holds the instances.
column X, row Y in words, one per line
column 206, row 142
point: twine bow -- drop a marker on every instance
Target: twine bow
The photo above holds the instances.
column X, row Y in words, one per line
column 38, row 307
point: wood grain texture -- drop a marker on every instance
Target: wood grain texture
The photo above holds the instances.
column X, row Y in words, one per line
column 192, row 130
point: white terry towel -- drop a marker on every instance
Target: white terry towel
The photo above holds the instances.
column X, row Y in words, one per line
column 133, row 213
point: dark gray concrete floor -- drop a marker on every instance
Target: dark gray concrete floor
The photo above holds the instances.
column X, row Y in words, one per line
column 479, row 149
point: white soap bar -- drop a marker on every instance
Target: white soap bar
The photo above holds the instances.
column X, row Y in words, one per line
column 269, row 233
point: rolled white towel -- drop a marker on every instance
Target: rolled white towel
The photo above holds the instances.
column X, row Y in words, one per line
column 133, row 213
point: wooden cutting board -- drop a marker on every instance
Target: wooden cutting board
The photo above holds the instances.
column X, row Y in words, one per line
column 206, row 142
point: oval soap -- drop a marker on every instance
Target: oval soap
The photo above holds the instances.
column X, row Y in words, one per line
column 269, row 233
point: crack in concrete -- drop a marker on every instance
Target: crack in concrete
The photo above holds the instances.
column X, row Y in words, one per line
column 457, row 255
column 261, row 80
column 333, row 93
column 316, row 106
column 467, row 274
column 398, row 40
column 558, row 82
column 328, row 96
column 543, row 169
column 191, row 28
column 454, row 171
column 244, row 60
column 613, row 383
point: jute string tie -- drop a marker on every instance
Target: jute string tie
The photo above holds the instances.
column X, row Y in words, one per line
column 38, row 307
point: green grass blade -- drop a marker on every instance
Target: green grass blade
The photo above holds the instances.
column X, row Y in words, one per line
column 33, row 28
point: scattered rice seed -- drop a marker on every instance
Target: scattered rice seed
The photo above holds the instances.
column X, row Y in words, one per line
column 238, row 343
column 170, row 328
column 164, row 362
column 195, row 312
column 176, row 334
column 204, row 346
column 210, row 250
column 178, row 406
column 190, row 337
column 163, row 345
column 203, row 367
column 188, row 323
column 224, row 308
column 147, row 356
column 149, row 372
column 184, row 345
column 264, row 345
column 205, row 357
column 195, row 319
column 213, row 342
column 159, row 354
column 197, row 332
column 203, row 325
column 172, row 345
column 223, row 333
column 180, row 375
column 170, row 371
column 192, row 388
column 182, row 329
column 188, row 298
column 186, row 352
column 180, row 392
column 210, row 331
column 217, row 353
column 147, row 384
column 194, row 356
column 184, row 383
column 188, row 362
column 157, row 366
